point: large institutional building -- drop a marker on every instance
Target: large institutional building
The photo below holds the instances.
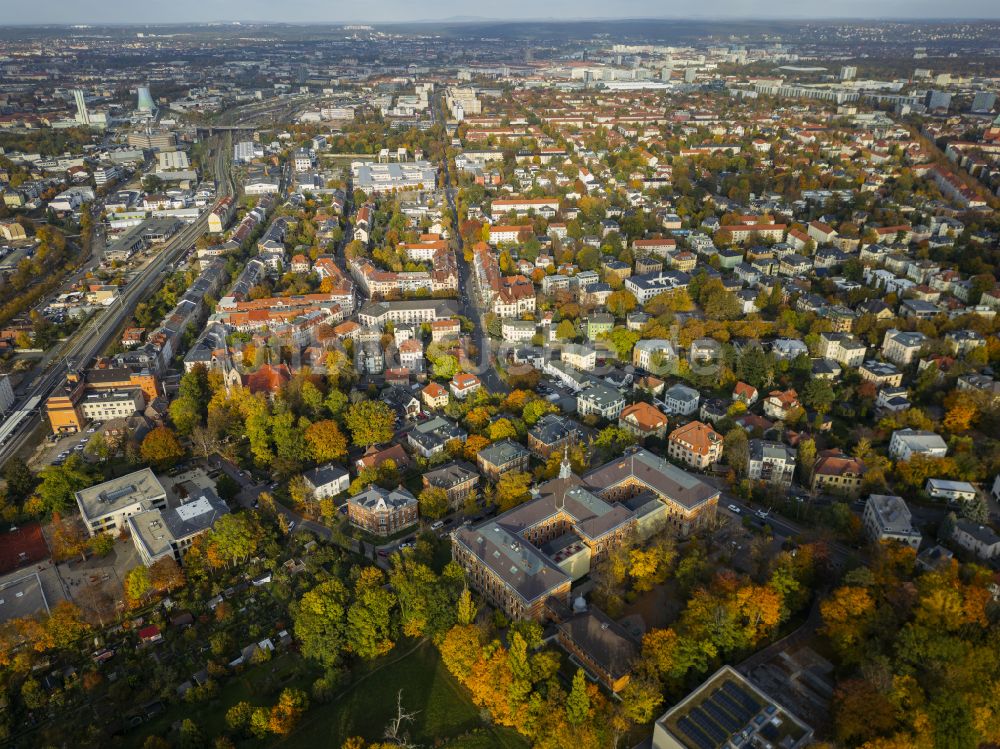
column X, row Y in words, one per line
column 529, row 557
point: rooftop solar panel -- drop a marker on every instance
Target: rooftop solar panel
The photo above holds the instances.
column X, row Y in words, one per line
column 721, row 717
column 695, row 734
column 709, row 726
column 741, row 713
column 741, row 696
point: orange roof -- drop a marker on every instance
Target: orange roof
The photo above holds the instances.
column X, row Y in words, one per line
column 700, row 437
column 645, row 416
column 434, row 390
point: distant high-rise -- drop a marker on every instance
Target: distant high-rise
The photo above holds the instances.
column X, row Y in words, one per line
column 938, row 100
column 145, row 100
column 82, row 115
column 690, row 74
column 848, row 73
column 983, row 102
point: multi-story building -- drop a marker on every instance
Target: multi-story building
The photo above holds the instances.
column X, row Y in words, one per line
column 377, row 314
column 643, row 420
column 383, row 512
column 458, row 479
column 104, row 405
column 887, row 518
column 65, row 406
column 501, row 457
column 845, row 349
column 728, row 704
column 771, row 462
column 837, row 473
column 779, row 403
column 681, row 400
column 902, row 347
column 882, row 374
column 688, row 502
column 106, row 507
column 523, row 558
column 601, row 400
column 905, row 443
column 327, row 480
column 978, row 539
column 654, row 354
column 552, row 433
column 696, row 444
column 169, row 532
column 647, row 286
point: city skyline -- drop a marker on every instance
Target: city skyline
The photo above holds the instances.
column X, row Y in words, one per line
column 118, row 12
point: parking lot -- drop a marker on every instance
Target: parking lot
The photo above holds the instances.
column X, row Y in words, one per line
column 55, row 451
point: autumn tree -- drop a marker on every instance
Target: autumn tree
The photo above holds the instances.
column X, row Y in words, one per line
column 369, row 617
column 513, row 488
column 370, row 422
column 325, row 440
column 161, row 448
column 433, row 502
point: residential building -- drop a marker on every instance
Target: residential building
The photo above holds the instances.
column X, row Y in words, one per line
column 745, row 394
column 681, row 400
column 835, row 472
column 880, row 373
column 843, row 348
column 434, row 395
column 887, row 518
column 327, row 480
column 953, row 491
column 905, row 443
column 383, row 512
column 902, row 347
column 654, row 355
column 552, row 433
column 464, row 384
column 977, row 539
column 500, row 457
column 643, row 420
column 601, row 400
column 458, row 479
column 779, row 403
column 771, row 462
column 695, row 444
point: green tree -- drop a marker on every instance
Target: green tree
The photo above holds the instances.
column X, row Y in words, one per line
column 233, row 539
column 369, row 617
column 319, row 619
column 565, row 330
column 818, row 394
column 370, row 422
column 620, row 303
column 578, row 701
column 59, row 484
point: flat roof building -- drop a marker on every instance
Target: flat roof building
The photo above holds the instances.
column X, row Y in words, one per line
column 169, row 532
column 106, row 507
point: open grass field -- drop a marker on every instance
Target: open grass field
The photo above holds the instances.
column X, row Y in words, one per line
column 444, row 715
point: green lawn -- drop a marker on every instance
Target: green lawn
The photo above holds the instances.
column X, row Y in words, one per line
column 443, row 711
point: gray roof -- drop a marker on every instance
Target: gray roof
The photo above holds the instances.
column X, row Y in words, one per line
column 604, row 641
column 156, row 530
column 552, row 428
column 103, row 499
column 503, row 452
column 764, row 450
column 324, row 475
column 376, row 499
column 451, row 474
column 663, row 478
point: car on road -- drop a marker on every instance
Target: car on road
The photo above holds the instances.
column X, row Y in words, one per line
column 383, row 553
column 291, row 525
column 437, row 524
column 734, row 509
column 762, row 514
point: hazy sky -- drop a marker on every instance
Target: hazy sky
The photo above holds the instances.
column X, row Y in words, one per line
column 387, row 11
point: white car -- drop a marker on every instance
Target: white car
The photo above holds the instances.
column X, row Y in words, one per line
column 734, row 509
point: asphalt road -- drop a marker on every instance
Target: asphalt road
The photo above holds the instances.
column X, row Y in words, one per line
column 468, row 301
